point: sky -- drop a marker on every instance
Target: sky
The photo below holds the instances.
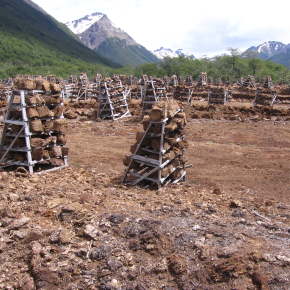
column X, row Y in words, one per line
column 200, row 28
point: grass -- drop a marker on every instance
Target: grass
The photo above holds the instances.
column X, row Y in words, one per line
column 34, row 43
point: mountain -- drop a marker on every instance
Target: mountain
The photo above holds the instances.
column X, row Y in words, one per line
column 273, row 50
column 282, row 58
column 98, row 33
column 167, row 52
column 33, row 42
column 213, row 56
column 269, row 49
column 35, row 6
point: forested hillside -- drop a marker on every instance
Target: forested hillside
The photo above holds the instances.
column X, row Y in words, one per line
column 32, row 42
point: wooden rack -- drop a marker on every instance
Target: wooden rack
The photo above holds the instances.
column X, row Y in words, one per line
column 20, row 138
column 202, row 80
column 217, row 96
column 183, row 93
column 151, row 167
column 112, row 101
column 151, row 95
column 264, row 98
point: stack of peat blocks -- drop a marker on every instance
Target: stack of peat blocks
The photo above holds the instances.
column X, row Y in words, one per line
column 158, row 154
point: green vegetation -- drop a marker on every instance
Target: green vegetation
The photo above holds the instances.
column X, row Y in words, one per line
column 35, row 43
column 235, row 65
column 283, row 58
column 116, row 50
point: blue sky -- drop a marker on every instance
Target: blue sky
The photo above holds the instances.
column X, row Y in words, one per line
column 198, row 27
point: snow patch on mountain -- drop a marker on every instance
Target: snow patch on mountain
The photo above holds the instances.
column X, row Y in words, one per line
column 270, row 48
column 260, row 47
column 81, row 25
column 214, row 55
column 167, row 52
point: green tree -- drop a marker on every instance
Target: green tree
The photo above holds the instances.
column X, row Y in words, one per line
column 234, row 56
column 254, row 62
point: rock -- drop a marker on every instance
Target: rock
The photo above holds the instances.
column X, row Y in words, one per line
column 20, row 234
column 91, row 232
column 65, row 236
column 226, row 252
column 210, row 209
column 217, row 191
column 44, row 278
column 238, row 213
column 114, row 265
column 6, row 212
column 19, row 223
column 235, row 204
column 33, row 235
column 13, row 197
column 107, row 286
column 234, row 118
column 35, row 179
column 69, row 212
column 100, row 253
column 54, row 237
column 26, row 282
column 54, row 202
column 283, row 258
column 117, row 218
column 199, row 243
column 256, row 118
column 177, row 265
column 268, row 257
column 70, row 114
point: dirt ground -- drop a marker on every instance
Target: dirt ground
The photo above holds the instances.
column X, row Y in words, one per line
column 227, row 227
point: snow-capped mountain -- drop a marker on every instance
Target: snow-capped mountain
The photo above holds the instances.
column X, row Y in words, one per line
column 82, row 24
column 167, row 52
column 97, row 32
column 95, row 28
column 213, row 56
column 269, row 49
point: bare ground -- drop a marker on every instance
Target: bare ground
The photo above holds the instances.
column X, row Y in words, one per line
column 227, row 227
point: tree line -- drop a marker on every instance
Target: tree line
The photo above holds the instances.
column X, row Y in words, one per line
column 234, row 64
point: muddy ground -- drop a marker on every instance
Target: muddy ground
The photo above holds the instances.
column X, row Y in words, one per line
column 227, row 227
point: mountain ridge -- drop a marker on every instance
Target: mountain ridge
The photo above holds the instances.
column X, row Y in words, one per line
column 98, row 33
column 275, row 51
column 268, row 49
column 167, row 52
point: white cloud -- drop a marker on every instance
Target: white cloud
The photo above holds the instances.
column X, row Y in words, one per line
column 198, row 27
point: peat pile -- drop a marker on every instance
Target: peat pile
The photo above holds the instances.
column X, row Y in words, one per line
column 35, row 126
column 22, row 83
column 182, row 92
column 84, row 109
column 240, row 113
column 158, row 154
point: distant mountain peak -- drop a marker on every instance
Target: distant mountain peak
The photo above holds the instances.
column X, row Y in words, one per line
column 97, row 32
column 167, row 52
column 82, row 24
column 269, row 48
